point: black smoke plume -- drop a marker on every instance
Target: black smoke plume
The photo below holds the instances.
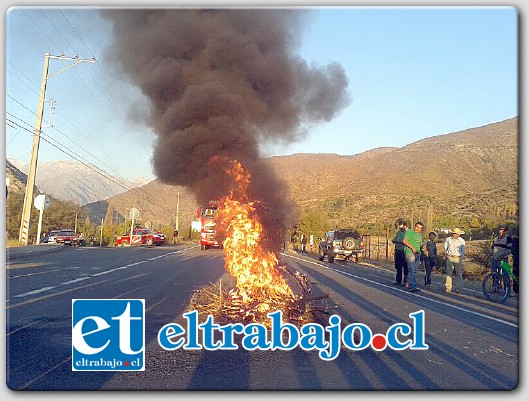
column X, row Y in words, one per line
column 221, row 82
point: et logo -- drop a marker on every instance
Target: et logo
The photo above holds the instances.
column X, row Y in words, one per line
column 108, row 334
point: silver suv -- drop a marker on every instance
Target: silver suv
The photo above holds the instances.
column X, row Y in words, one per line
column 346, row 244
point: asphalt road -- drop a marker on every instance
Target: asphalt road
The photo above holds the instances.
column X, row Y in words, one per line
column 473, row 344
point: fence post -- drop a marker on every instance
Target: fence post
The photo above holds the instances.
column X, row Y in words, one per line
column 387, row 243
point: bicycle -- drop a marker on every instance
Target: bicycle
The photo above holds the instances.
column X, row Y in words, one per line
column 496, row 286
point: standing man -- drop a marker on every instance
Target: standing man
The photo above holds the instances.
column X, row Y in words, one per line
column 400, row 257
column 430, row 258
column 303, row 243
column 413, row 245
column 455, row 247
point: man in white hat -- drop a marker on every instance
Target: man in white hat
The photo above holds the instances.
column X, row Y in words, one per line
column 455, row 247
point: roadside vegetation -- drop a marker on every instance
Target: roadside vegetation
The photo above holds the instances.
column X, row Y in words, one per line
column 378, row 235
column 378, row 232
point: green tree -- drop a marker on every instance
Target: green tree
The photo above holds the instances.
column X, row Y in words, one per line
column 14, row 204
column 60, row 214
column 474, row 223
column 445, row 221
column 88, row 229
column 313, row 222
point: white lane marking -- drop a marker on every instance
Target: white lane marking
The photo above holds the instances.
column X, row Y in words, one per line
column 411, row 293
column 44, row 289
column 33, row 274
column 173, row 253
column 76, row 280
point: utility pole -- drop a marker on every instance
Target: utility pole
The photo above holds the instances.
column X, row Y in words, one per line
column 28, row 197
column 387, row 242
column 101, row 234
column 176, row 225
column 177, row 210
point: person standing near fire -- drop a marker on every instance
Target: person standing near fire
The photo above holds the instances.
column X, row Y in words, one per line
column 430, row 258
column 400, row 256
column 303, row 243
column 455, row 248
column 414, row 245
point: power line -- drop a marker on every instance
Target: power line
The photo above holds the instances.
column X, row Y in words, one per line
column 9, row 122
column 75, row 31
column 118, row 130
column 11, row 97
column 25, row 76
column 18, row 118
column 139, row 150
column 93, row 140
column 72, row 120
column 38, row 27
column 96, row 81
column 16, row 101
column 60, row 33
column 47, row 138
column 87, row 164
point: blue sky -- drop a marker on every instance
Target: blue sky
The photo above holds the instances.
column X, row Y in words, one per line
column 413, row 73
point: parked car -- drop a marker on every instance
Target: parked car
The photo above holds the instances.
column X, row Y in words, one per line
column 159, row 238
column 67, row 237
column 141, row 236
column 51, row 237
column 346, row 244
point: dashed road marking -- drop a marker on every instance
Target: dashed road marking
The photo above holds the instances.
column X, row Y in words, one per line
column 49, row 288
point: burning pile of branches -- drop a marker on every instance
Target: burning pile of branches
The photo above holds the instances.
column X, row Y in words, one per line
column 261, row 283
column 226, row 304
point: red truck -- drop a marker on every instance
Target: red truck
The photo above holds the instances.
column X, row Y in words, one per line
column 208, row 235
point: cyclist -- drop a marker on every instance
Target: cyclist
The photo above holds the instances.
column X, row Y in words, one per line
column 501, row 248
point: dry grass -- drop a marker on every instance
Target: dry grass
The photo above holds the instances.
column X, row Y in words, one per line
column 10, row 243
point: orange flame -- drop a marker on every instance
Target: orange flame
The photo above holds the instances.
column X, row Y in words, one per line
column 255, row 268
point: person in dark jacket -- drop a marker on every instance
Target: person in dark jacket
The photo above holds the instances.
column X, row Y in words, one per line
column 400, row 257
column 501, row 248
column 430, row 258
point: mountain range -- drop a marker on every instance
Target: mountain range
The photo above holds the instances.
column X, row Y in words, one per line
column 471, row 174
column 77, row 182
